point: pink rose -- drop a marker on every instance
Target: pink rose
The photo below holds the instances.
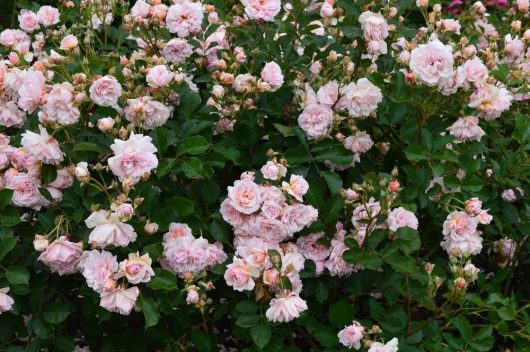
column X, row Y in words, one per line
column 327, row 10
column 361, row 98
column 240, row 275
column 177, row 50
column 328, row 93
column 48, row 16
column 120, row 300
column 140, row 9
column 137, row 269
column 297, row 216
column 11, row 37
column 473, row 206
column 31, row 90
column 105, row 124
column 185, row 18
column 474, row 70
column 269, row 229
column 374, row 26
column 187, row 254
column 159, row 76
column 231, row 215
column 28, row 21
column 359, row 143
column 461, row 235
column 432, row 62
column 97, row 268
column 105, row 91
column 401, row 217
column 273, row 170
column 285, row 308
column 272, row 74
column 448, row 25
column 315, row 120
column 490, row 101
column 69, row 42
column 25, row 191
column 146, row 112
column 6, row 302
column 11, row 116
column 390, row 346
column 296, row 187
column 133, row 158
column 351, row 335
column 63, row 180
column 62, row 256
column 109, row 230
column 466, row 129
column 59, row 106
column 243, row 83
column 262, row 9
column 192, row 297
column 245, row 196
column 42, row 146
column 311, row 248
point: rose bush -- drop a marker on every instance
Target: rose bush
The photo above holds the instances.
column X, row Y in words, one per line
column 265, row 176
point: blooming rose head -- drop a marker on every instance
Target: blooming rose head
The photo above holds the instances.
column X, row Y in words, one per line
column 137, row 269
column 262, row 9
column 374, row 26
column 297, row 187
column 240, row 275
column 315, row 120
column 272, row 74
column 273, row 170
column 432, row 62
column 133, row 158
column 285, row 308
column 245, row 196
column 105, row 91
column 62, row 256
column 184, row 18
column 120, row 300
column 351, row 335
column 48, row 16
column 28, row 21
column 159, row 76
column 6, row 302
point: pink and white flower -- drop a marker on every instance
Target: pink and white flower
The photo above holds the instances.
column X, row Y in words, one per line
column 133, row 158
column 62, row 256
column 136, row 268
column 432, row 62
column 6, row 301
column 184, row 18
column 401, row 217
column 120, row 300
column 262, row 9
column 296, row 187
column 109, row 230
column 351, row 335
column 105, row 91
column 42, row 146
column 285, row 308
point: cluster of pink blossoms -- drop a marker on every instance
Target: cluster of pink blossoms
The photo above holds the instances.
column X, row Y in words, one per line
column 461, row 235
column 6, row 301
column 185, row 255
column 20, row 169
column 263, row 217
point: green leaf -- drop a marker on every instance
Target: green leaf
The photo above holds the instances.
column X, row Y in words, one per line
column 219, row 231
column 5, row 197
column 189, row 104
column 326, row 335
column 247, row 319
column 202, row 341
column 333, row 180
column 55, row 313
column 247, row 306
column 463, row 326
column 332, row 151
column 9, row 217
column 401, row 263
column 340, row 314
column 415, row 152
column 179, row 205
column 17, row 275
column 261, row 334
column 193, row 145
column 46, row 194
column 286, row 131
column 369, row 260
column 88, row 147
column 48, row 173
column 472, row 183
column 6, row 245
column 193, row 168
column 150, row 310
column 522, row 128
column 40, row 327
column 163, row 280
column 165, row 167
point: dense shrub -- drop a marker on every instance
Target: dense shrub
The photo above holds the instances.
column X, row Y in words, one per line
column 265, row 175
